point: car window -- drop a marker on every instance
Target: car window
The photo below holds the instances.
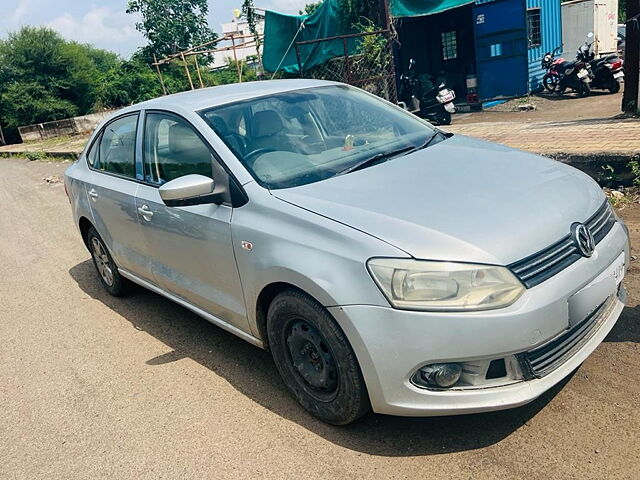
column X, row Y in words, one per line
column 172, row 149
column 303, row 136
column 117, row 147
column 92, row 154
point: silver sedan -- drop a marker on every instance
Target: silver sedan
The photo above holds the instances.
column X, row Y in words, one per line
column 385, row 264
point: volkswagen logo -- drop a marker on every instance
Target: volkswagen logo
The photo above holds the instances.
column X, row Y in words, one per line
column 583, row 239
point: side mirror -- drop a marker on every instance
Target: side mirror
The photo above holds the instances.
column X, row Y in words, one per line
column 188, row 190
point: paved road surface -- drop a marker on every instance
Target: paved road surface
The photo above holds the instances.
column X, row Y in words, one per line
column 93, row 387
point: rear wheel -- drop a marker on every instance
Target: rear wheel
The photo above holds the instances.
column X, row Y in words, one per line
column 615, row 87
column 444, row 118
column 584, row 90
column 108, row 272
column 315, row 360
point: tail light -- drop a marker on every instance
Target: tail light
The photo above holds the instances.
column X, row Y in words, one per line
column 616, row 65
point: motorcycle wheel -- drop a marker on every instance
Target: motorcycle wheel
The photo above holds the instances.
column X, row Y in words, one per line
column 584, row 90
column 444, row 118
column 550, row 82
column 615, row 87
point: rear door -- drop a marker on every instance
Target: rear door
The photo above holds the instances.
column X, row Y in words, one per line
column 111, row 187
column 501, row 48
column 190, row 248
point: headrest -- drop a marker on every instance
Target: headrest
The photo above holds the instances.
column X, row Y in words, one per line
column 182, row 138
column 267, row 122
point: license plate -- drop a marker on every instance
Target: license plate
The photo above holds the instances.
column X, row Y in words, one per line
column 582, row 73
column 618, row 75
column 450, row 107
column 446, row 97
column 587, row 300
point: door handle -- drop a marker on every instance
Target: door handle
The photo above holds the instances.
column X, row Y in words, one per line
column 93, row 194
column 145, row 212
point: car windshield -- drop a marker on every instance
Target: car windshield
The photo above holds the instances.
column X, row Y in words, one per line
column 303, row 136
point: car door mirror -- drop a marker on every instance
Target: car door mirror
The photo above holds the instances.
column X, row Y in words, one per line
column 188, row 190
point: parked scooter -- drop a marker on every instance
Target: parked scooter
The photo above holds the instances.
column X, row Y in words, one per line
column 562, row 75
column 606, row 72
column 426, row 97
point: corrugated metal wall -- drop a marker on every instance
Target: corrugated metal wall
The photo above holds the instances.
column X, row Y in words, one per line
column 551, row 35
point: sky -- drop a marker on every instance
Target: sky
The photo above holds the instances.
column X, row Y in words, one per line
column 104, row 23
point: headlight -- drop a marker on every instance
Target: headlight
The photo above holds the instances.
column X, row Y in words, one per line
column 444, row 286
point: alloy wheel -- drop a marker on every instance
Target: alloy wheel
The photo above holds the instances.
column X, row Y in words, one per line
column 102, row 261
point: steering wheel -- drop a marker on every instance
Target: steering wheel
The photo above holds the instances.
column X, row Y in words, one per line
column 250, row 157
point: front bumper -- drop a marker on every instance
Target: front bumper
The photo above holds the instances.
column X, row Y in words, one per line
column 392, row 344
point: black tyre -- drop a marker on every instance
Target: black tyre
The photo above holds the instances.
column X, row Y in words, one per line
column 444, row 118
column 315, row 359
column 584, row 90
column 550, row 82
column 615, row 87
column 108, row 272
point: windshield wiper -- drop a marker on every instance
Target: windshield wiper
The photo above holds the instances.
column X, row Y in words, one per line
column 376, row 158
column 387, row 155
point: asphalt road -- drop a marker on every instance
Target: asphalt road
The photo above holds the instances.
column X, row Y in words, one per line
column 92, row 386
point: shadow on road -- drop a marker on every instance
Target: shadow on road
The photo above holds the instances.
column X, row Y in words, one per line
column 627, row 328
column 252, row 372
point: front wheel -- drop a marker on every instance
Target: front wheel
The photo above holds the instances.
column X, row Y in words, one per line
column 315, row 359
column 584, row 90
column 550, row 82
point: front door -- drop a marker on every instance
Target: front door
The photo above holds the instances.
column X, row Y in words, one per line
column 190, row 248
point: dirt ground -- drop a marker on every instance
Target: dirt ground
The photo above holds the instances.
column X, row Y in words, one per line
column 92, row 386
column 549, row 108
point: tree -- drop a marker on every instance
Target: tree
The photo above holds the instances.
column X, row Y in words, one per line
column 309, row 8
column 171, row 25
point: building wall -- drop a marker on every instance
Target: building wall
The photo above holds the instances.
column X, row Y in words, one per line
column 551, row 36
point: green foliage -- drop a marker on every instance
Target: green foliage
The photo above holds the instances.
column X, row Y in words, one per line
column 171, row 25
column 634, row 165
column 249, row 12
column 36, row 155
column 356, row 11
column 309, row 8
column 372, row 49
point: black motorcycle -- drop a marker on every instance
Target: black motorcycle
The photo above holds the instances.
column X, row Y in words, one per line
column 426, row 96
column 606, row 72
column 562, row 74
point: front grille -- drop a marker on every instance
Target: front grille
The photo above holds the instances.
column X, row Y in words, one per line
column 546, row 263
column 543, row 360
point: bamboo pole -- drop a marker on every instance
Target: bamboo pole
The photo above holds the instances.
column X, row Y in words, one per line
column 164, row 89
column 198, row 70
column 235, row 58
column 186, row 69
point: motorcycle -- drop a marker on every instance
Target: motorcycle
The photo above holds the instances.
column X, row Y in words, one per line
column 562, row 74
column 423, row 96
column 606, row 72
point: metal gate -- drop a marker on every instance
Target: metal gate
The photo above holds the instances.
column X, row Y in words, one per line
column 501, row 48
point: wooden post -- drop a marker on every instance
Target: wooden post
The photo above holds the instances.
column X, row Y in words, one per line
column 186, row 69
column 155, row 61
column 632, row 58
column 235, row 58
column 195, row 57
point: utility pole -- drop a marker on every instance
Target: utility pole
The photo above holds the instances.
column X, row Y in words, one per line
column 632, row 58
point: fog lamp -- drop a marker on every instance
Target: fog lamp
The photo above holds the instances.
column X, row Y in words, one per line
column 442, row 375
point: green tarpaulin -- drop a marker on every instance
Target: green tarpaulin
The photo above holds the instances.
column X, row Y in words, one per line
column 280, row 30
column 419, row 8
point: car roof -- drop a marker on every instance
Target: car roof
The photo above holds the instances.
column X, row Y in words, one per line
column 214, row 96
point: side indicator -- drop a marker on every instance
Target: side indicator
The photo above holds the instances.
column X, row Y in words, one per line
column 247, row 245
